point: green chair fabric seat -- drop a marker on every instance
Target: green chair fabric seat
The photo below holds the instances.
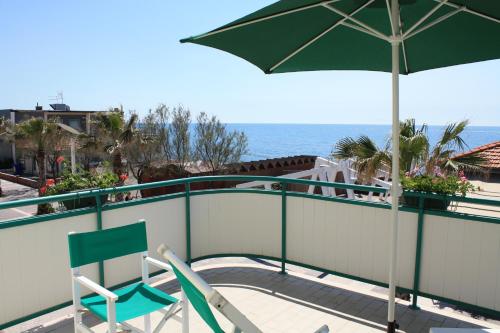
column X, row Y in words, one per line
column 133, row 301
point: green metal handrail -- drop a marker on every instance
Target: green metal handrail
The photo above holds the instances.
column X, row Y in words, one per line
column 183, row 181
column 457, row 198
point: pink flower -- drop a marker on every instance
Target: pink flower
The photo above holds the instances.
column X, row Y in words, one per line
column 60, row 159
column 43, row 190
column 123, row 177
column 437, row 171
column 50, row 182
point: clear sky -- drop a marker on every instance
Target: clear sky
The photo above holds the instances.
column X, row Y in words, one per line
column 106, row 53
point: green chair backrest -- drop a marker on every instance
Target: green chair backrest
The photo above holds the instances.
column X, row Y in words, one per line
column 89, row 247
column 198, row 301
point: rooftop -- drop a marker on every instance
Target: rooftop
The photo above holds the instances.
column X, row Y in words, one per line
column 490, row 152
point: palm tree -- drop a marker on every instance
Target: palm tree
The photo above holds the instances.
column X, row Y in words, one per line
column 38, row 137
column 115, row 134
column 88, row 148
column 442, row 154
column 413, row 144
column 367, row 156
column 415, row 151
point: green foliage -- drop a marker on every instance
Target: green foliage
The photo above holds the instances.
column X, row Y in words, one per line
column 450, row 185
column 179, row 144
column 368, row 158
column 415, row 152
column 215, row 146
column 81, row 181
column 114, row 133
column 413, row 144
column 40, row 138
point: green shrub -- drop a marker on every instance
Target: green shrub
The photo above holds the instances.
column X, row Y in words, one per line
column 450, row 185
column 81, row 181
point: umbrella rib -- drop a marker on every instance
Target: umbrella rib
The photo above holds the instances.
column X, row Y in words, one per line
column 425, row 17
column 261, row 19
column 470, row 11
column 336, row 24
column 363, row 25
column 436, row 21
column 390, row 17
column 403, row 46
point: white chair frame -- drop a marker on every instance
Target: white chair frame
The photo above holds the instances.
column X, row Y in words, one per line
column 240, row 322
column 79, row 280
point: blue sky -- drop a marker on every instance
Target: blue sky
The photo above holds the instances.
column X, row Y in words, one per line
column 106, row 53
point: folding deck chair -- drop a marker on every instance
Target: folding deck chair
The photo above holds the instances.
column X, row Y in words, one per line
column 200, row 294
column 117, row 306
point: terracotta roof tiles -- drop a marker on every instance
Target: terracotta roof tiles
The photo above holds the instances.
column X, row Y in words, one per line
column 490, row 152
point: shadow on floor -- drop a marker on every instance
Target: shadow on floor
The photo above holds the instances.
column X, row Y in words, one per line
column 363, row 309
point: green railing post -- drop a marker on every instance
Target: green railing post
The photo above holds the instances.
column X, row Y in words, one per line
column 99, row 227
column 188, row 223
column 283, row 228
column 418, row 252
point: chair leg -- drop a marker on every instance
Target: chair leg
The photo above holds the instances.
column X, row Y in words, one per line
column 111, row 309
column 147, row 323
column 185, row 312
column 77, row 319
column 170, row 312
column 77, row 315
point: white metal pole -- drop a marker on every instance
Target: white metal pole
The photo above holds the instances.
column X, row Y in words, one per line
column 391, row 323
column 73, row 155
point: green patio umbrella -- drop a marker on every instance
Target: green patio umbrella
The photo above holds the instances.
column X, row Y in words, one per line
column 404, row 36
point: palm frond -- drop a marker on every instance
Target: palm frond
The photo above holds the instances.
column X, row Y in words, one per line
column 344, row 149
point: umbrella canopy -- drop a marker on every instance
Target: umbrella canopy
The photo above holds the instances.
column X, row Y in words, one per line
column 308, row 35
column 404, row 36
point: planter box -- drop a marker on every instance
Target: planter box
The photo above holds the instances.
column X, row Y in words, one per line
column 83, row 202
column 438, row 204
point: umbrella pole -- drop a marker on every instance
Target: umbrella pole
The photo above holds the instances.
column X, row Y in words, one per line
column 391, row 322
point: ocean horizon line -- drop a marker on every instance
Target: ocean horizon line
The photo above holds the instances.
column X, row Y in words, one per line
column 348, row 124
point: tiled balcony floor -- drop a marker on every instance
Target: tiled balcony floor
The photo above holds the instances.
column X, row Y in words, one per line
column 296, row 302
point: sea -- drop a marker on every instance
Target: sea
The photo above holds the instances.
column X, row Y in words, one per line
column 280, row 140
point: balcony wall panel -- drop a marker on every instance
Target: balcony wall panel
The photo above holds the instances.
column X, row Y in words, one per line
column 349, row 239
column 165, row 223
column 460, row 253
column 236, row 223
column 460, row 260
column 34, row 265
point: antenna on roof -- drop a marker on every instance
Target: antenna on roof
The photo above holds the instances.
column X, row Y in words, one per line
column 59, row 98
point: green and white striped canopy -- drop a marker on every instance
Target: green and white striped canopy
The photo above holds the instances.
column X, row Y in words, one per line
column 308, row 35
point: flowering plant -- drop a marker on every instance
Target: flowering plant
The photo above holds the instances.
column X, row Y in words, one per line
column 48, row 183
column 80, row 181
column 439, row 183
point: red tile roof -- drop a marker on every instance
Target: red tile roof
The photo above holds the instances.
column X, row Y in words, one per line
column 490, row 152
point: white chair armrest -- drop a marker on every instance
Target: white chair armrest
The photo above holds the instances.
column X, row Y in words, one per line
column 95, row 287
column 158, row 263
